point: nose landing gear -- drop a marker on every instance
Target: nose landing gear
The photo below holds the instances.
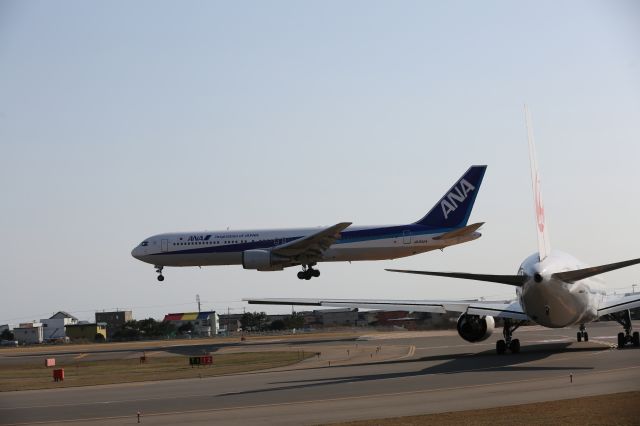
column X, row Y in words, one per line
column 582, row 334
column 159, row 271
column 308, row 272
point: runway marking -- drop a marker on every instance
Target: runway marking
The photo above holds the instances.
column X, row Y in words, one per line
column 412, row 352
column 81, row 356
column 312, row 401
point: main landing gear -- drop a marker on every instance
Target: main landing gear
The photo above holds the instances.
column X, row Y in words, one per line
column 624, row 319
column 508, row 343
column 159, row 271
column 308, row 272
column 582, row 334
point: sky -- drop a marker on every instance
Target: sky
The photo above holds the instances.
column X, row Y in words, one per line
column 119, row 120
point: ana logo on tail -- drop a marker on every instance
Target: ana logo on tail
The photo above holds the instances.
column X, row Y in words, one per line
column 459, row 193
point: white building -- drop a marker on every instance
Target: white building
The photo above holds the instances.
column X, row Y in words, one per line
column 204, row 324
column 29, row 333
column 54, row 326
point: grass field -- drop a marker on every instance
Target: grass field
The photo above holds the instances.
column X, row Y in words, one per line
column 615, row 409
column 31, row 375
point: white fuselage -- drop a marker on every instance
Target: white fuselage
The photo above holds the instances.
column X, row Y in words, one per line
column 554, row 303
column 356, row 243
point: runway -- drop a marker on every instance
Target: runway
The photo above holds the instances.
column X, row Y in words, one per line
column 382, row 375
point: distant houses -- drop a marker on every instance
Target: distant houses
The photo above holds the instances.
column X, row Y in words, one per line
column 62, row 327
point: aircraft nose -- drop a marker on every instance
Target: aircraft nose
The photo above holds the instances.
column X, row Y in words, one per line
column 136, row 253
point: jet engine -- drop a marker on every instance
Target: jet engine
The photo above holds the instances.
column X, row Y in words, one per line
column 474, row 328
column 263, row 260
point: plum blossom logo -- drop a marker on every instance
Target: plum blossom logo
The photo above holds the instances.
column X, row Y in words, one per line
column 539, row 206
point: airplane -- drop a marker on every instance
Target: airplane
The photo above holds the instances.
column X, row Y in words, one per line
column 553, row 289
column 273, row 250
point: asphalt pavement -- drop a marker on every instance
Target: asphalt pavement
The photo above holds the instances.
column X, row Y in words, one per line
column 381, row 375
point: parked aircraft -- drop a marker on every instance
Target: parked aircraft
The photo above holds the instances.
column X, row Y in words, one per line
column 275, row 249
column 553, row 289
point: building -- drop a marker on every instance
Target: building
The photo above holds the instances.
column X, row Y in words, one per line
column 53, row 327
column 86, row 331
column 347, row 317
column 195, row 323
column 29, row 333
column 230, row 323
column 114, row 320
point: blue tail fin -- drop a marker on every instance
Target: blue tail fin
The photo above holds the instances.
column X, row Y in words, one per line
column 454, row 208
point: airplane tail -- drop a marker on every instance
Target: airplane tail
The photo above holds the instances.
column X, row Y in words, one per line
column 544, row 247
column 454, row 208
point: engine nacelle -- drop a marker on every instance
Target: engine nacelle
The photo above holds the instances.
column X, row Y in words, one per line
column 263, row 260
column 474, row 328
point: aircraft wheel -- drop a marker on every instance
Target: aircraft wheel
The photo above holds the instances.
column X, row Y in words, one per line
column 515, row 346
column 316, row 273
column 621, row 341
column 301, row 275
column 501, row 347
column 307, row 277
column 636, row 339
column 160, row 277
column 586, row 336
column 579, row 336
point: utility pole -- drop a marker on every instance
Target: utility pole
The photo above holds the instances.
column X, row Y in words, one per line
column 634, row 288
column 198, row 300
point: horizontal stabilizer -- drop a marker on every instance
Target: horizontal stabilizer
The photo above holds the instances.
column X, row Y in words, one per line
column 580, row 274
column 516, row 280
column 460, row 232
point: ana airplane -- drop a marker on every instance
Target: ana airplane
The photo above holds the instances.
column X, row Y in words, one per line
column 273, row 250
column 553, row 289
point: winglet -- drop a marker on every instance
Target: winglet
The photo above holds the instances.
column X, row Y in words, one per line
column 454, row 208
column 544, row 247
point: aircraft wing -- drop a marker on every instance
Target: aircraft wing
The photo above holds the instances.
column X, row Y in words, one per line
column 619, row 303
column 311, row 246
column 511, row 310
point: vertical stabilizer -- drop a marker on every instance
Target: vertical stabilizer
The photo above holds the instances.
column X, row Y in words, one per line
column 541, row 227
column 454, row 208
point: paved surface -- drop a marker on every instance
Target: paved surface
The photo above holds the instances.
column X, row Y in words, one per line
column 411, row 373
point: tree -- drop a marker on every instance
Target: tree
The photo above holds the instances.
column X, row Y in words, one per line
column 128, row 331
column 295, row 320
column 147, row 328
column 277, row 325
column 254, row 321
column 7, row 335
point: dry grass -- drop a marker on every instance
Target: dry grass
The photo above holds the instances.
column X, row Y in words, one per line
column 33, row 375
column 615, row 409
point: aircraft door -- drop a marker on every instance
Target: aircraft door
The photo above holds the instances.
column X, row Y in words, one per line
column 164, row 245
column 406, row 237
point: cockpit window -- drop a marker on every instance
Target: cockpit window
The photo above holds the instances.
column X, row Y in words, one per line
column 144, row 243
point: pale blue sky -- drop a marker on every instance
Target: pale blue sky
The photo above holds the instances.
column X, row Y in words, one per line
column 123, row 119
